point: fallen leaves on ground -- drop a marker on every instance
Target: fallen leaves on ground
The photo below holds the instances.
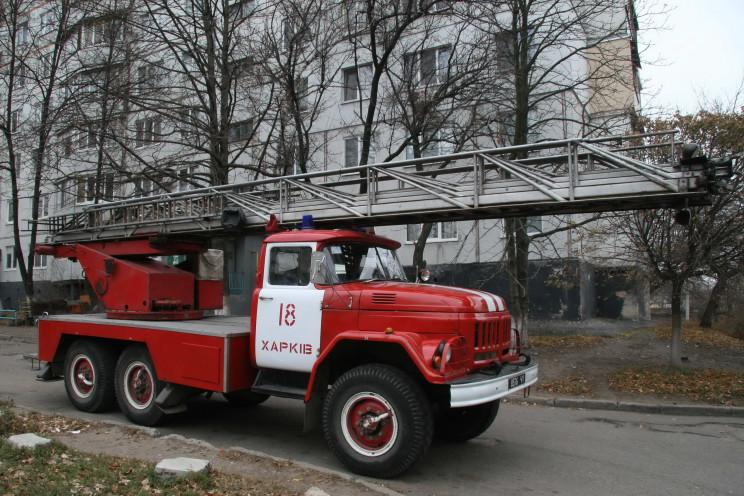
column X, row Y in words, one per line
column 721, row 387
column 712, row 337
column 575, row 386
column 569, row 341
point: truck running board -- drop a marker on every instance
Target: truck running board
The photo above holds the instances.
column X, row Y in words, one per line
column 282, row 383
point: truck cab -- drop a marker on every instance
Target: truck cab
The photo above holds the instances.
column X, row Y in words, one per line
column 333, row 307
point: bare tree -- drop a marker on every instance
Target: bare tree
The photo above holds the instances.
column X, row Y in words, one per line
column 198, row 81
column 436, row 97
column 556, row 61
column 35, row 58
column 301, row 61
column 717, row 128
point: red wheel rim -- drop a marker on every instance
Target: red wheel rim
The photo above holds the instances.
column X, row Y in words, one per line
column 138, row 385
column 369, row 424
column 83, row 376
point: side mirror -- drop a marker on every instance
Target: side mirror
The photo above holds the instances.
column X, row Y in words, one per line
column 319, row 273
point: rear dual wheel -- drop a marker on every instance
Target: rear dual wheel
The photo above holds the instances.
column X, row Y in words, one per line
column 89, row 375
column 137, row 386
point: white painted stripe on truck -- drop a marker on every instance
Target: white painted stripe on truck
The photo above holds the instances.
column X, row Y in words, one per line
column 493, row 302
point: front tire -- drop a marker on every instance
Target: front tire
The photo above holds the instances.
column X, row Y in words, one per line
column 463, row 424
column 89, row 376
column 377, row 421
column 137, row 386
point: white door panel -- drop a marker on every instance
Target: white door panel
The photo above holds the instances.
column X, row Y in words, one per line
column 288, row 328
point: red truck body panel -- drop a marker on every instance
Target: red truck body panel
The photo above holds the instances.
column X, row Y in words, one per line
column 209, row 354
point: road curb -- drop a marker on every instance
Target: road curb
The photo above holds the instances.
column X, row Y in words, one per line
column 627, row 406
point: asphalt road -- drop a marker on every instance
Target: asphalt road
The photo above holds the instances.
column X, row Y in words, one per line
column 529, row 450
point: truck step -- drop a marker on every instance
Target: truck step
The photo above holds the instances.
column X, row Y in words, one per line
column 283, row 391
column 283, row 383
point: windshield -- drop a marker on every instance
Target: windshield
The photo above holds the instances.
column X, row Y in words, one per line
column 362, row 262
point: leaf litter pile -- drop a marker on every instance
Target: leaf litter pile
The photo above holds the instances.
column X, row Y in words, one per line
column 713, row 386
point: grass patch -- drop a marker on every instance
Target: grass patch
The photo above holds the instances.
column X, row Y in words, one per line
column 568, row 341
column 55, row 469
column 720, row 387
column 712, row 337
column 575, row 386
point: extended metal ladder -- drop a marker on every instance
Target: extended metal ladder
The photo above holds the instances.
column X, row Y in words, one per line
column 557, row 177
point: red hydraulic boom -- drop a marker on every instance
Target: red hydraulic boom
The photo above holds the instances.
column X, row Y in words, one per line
column 133, row 285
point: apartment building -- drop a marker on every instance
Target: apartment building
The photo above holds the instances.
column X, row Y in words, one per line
column 131, row 98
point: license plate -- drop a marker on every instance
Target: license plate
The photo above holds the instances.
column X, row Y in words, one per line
column 516, row 381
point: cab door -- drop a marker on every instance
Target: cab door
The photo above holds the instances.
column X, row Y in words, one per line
column 289, row 312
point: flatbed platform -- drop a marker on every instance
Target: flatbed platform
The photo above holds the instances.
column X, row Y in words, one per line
column 218, row 325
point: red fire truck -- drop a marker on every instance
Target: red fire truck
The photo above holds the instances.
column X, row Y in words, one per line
column 382, row 363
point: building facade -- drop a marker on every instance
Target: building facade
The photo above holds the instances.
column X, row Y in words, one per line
column 115, row 99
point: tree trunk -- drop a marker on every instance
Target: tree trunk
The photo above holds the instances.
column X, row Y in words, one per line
column 517, row 250
column 418, row 249
column 675, row 350
column 714, row 303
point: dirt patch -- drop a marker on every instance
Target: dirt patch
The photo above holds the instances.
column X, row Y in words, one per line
column 588, row 366
column 147, row 445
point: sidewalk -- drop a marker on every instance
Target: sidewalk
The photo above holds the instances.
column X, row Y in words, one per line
column 674, row 409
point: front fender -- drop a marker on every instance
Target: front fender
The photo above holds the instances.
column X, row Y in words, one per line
column 418, row 348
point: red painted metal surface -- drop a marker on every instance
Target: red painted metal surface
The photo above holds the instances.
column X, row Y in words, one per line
column 133, row 286
column 187, row 358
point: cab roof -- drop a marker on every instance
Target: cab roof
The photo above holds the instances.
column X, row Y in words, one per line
column 330, row 236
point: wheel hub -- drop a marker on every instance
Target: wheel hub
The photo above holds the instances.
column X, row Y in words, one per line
column 371, row 427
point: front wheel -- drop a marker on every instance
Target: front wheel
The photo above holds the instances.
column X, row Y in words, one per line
column 137, row 386
column 377, row 421
column 463, row 424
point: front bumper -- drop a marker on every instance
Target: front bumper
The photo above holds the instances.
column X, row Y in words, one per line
column 484, row 387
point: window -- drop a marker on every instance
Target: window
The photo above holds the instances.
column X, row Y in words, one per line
column 440, row 231
column 188, row 123
column 356, row 13
column 534, row 224
column 242, row 9
column 142, row 187
column 65, row 198
column 14, row 121
column 45, row 61
column 9, row 212
column 86, row 137
column 86, row 188
column 11, row 262
column 44, row 206
column 47, row 20
column 428, row 66
column 149, row 77
column 240, row 131
column 96, row 32
column 433, row 144
column 290, row 265
column 356, row 81
column 22, row 35
column 353, row 152
column 302, row 93
column 40, row 261
column 147, row 132
column 186, row 179
column 19, row 80
column 296, row 33
column 18, row 163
